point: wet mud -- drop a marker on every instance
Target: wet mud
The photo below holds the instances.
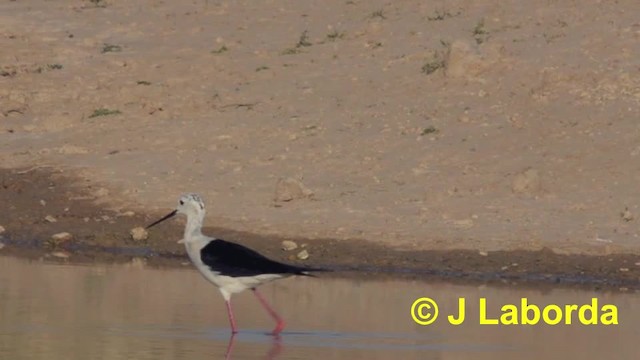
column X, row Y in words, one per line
column 100, row 233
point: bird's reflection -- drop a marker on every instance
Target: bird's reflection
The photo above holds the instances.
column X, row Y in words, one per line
column 274, row 351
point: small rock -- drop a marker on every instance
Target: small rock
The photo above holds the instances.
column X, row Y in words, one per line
column 138, row 263
column 128, row 214
column 2, row 229
column 139, row 234
column 50, row 219
column 61, row 254
column 43, row 203
column 290, row 189
column 303, row 255
column 527, row 182
column 61, row 237
column 626, row 215
column 504, row 268
column 483, row 253
column 288, row 245
column 57, row 239
column 1, row 246
column 624, row 269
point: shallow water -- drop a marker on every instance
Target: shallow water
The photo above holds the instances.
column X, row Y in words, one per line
column 55, row 312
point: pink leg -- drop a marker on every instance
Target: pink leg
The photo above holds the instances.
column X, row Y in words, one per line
column 276, row 348
column 274, row 315
column 227, row 355
column 232, row 320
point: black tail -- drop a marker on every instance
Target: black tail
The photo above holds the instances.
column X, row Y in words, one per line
column 307, row 271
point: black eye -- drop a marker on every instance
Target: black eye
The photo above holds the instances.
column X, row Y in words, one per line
column 181, row 202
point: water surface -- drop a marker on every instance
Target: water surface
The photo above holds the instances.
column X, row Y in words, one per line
column 50, row 311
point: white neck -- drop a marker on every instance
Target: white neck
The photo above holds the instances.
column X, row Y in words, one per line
column 193, row 230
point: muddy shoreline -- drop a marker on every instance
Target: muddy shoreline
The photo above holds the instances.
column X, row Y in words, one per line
column 101, row 234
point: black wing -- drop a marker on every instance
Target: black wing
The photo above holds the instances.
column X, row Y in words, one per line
column 232, row 259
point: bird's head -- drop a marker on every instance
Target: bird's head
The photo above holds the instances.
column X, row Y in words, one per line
column 190, row 205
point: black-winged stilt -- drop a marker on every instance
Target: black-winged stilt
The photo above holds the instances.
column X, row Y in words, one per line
column 231, row 267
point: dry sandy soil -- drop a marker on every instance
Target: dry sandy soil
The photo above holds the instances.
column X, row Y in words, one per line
column 482, row 126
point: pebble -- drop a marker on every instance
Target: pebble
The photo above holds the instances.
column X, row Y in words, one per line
column 50, row 219
column 61, row 237
column 483, row 253
column 303, row 255
column 128, row 213
column 290, row 189
column 139, row 234
column 288, row 245
column 61, row 254
column 2, row 229
column 138, row 263
column 627, row 215
column 624, row 269
column 43, row 203
column 1, row 246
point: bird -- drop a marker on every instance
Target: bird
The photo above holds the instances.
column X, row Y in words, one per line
column 231, row 267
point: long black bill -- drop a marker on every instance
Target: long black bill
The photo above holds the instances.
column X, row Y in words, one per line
column 168, row 216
